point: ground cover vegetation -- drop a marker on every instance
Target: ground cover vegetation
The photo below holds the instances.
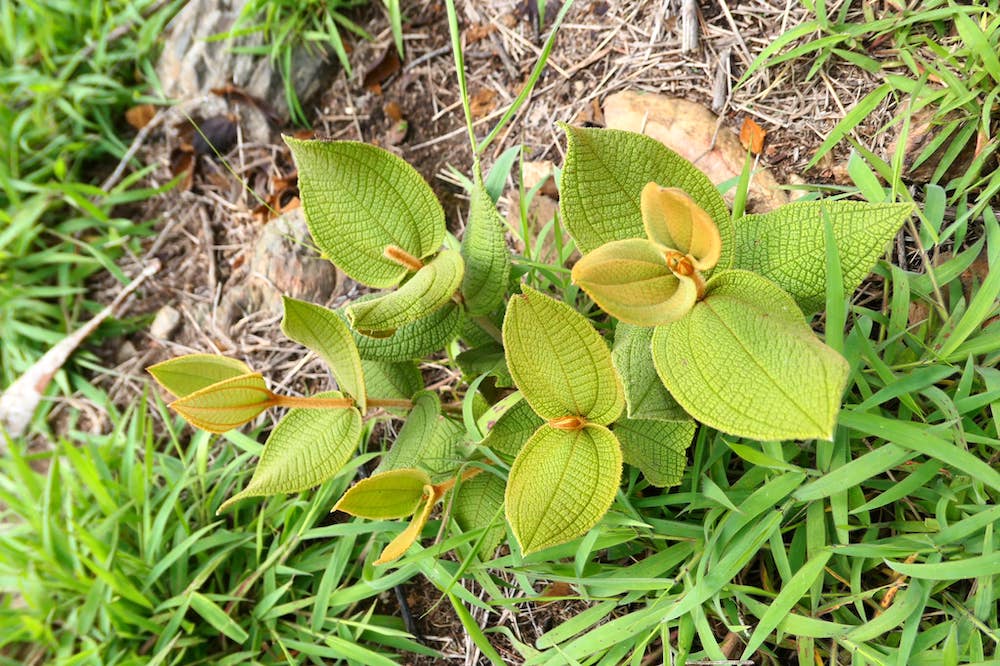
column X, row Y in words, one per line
column 876, row 546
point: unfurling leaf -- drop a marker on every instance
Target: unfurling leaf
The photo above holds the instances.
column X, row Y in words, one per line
column 477, row 505
column 745, row 362
column 324, row 332
column 395, row 549
column 414, row 340
column 394, row 494
column 359, row 200
column 558, row 361
column 645, row 395
column 427, row 440
column 630, row 280
column 487, row 259
column 672, row 219
column 561, row 484
column 426, row 292
column 787, row 245
column 306, row 448
column 186, row 374
column 227, row 404
column 657, row 448
column 509, row 424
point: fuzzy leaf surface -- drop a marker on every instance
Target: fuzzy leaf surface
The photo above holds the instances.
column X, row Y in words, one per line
column 657, row 448
column 392, row 381
column 645, row 395
column 427, row 291
column 788, row 247
column 561, row 484
column 306, row 448
column 324, row 332
column 745, row 362
column 427, row 440
column 478, row 501
column 602, row 182
column 509, row 424
column 359, row 199
column 227, row 404
column 393, row 494
column 487, row 259
column 558, row 361
column 186, row 374
column 414, row 340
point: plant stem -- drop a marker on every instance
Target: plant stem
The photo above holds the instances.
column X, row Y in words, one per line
column 299, row 402
column 401, row 403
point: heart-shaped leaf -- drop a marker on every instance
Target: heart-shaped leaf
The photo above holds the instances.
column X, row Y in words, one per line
column 186, row 374
column 630, row 280
column 602, row 182
column 395, row 549
column 227, row 404
column 788, row 246
column 414, row 340
column 324, row 332
column 360, row 200
column 657, row 448
column 477, row 505
column 509, row 424
column 306, row 448
column 674, row 220
column 561, row 484
column 745, row 362
column 487, row 259
column 558, row 361
column 645, row 395
column 427, row 440
column 393, row 494
column 427, row 291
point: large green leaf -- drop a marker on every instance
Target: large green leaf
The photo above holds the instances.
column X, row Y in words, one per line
column 788, row 247
column 561, row 484
column 487, row 259
column 227, row 404
column 394, row 494
column 416, row 339
column 359, row 200
column 509, row 424
column 324, row 332
column 430, row 289
column 745, row 362
column 558, row 361
column 427, row 440
column 602, row 182
column 657, row 448
column 306, row 448
column 477, row 505
column 645, row 395
column 186, row 374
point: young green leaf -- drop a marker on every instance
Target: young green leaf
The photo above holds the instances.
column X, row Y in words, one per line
column 227, row 404
column 426, row 292
column 427, row 440
column 657, row 448
column 630, row 280
column 561, row 484
column 399, row 545
column 306, row 448
column 602, row 182
column 645, row 395
column 487, row 259
column 324, row 332
column 507, row 432
column 558, row 361
column 476, row 505
column 745, row 362
column 186, row 374
column 360, row 200
column 393, row 494
column 788, row 246
column 414, row 340
column 672, row 219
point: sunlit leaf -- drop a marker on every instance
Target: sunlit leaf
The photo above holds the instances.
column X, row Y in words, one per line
column 487, row 259
column 673, row 219
column 393, row 494
column 227, row 404
column 186, row 374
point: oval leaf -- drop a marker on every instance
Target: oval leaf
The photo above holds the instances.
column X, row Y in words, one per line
column 561, row 484
column 788, row 247
column 186, row 374
column 227, row 404
column 487, row 259
column 306, row 448
column 645, row 395
column 510, row 425
column 745, row 362
column 673, row 219
column 602, row 182
column 657, row 448
column 427, row 291
column 558, row 361
column 630, row 280
column 324, row 332
column 427, row 440
column 395, row 494
column 358, row 200
column 414, row 340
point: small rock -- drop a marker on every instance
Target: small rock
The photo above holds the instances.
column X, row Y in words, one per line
column 126, row 352
column 536, row 172
column 688, row 129
column 165, row 322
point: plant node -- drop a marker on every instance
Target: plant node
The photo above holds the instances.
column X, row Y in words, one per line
column 571, row 422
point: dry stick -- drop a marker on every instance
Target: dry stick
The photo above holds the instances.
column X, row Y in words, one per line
column 18, row 403
column 689, row 25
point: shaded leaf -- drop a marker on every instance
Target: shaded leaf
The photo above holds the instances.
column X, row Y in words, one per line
column 645, row 395
column 414, row 340
column 477, row 505
column 227, row 404
column 186, row 374
column 393, row 494
column 487, row 259
column 392, row 381
column 427, row 440
column 673, row 219
column 509, row 425
column 657, row 448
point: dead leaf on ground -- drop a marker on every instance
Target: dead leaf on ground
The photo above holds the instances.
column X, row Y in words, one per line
column 380, row 72
column 140, row 116
column 478, row 32
column 393, row 111
column 182, row 163
column 752, row 136
column 482, row 102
